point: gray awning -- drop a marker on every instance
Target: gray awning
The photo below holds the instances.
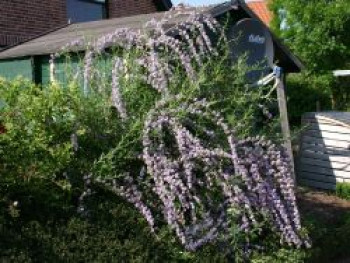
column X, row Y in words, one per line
column 52, row 42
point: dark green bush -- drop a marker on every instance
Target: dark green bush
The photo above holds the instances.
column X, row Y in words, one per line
column 46, row 228
column 305, row 94
column 343, row 190
column 330, row 239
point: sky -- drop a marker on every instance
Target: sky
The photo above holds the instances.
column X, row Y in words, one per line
column 198, row 2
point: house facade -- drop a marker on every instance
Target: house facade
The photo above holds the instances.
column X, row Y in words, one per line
column 24, row 19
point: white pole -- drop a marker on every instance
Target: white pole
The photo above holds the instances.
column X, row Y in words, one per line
column 52, row 71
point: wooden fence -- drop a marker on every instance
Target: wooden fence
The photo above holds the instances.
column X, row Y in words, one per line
column 324, row 157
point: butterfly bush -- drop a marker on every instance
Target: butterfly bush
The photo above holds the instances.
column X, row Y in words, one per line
column 184, row 177
column 194, row 164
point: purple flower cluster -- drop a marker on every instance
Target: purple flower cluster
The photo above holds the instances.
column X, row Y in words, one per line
column 116, row 94
column 186, row 171
column 75, row 45
column 129, row 190
column 159, row 46
column 188, row 41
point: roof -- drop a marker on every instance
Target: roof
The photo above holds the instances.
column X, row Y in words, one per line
column 52, row 42
column 260, row 8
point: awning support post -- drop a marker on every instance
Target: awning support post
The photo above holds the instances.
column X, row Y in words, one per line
column 282, row 104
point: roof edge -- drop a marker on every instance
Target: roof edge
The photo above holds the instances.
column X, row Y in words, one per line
column 220, row 9
column 277, row 40
column 34, row 37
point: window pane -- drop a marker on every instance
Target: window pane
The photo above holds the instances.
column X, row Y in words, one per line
column 83, row 11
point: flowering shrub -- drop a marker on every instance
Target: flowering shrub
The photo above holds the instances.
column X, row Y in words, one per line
column 253, row 175
column 194, row 176
column 163, row 137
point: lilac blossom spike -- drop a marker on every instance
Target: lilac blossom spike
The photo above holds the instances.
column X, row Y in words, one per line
column 176, row 178
column 88, row 60
column 153, row 41
column 133, row 195
column 116, row 94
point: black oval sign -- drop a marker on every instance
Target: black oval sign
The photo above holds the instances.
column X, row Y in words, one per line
column 251, row 39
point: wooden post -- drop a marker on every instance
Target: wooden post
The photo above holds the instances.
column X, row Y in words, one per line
column 318, row 105
column 282, row 104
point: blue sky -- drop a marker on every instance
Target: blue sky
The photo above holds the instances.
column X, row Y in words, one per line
column 198, row 2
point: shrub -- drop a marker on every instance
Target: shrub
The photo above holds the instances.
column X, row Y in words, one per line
column 307, row 93
column 48, row 229
column 343, row 190
column 42, row 125
column 167, row 131
column 329, row 238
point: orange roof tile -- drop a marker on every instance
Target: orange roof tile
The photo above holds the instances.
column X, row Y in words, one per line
column 260, row 9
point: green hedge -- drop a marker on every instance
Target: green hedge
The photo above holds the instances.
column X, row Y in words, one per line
column 343, row 190
column 305, row 94
column 45, row 227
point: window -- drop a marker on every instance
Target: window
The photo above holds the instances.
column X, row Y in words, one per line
column 85, row 10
